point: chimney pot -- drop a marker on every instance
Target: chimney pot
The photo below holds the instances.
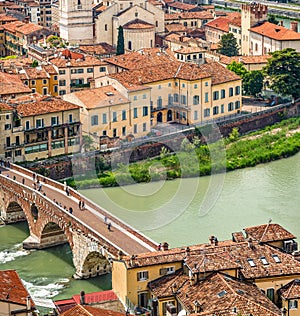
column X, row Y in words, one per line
column 82, row 298
column 294, row 26
column 165, row 246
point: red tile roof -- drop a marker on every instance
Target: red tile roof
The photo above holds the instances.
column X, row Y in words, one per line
column 291, row 290
column 12, row 84
column 138, row 24
column 80, row 310
column 98, row 49
column 268, row 232
column 221, row 23
column 12, row 288
column 62, row 62
column 276, row 32
column 97, row 297
column 202, row 15
column 182, row 6
column 44, row 106
column 245, row 59
column 175, row 27
column 6, row 18
column 5, row 107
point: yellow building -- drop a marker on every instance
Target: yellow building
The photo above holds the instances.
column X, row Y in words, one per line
column 113, row 110
column 41, row 128
column 171, row 280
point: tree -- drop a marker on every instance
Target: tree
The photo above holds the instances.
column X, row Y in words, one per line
column 272, row 19
column 228, row 45
column 237, row 68
column 34, row 64
column 283, row 72
column 253, row 82
column 87, row 142
column 120, row 44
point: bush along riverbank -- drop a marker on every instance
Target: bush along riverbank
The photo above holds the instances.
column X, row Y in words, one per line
column 194, row 158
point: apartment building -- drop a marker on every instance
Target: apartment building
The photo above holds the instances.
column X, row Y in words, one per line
column 190, row 19
column 247, row 275
column 11, row 86
column 40, row 128
column 75, row 70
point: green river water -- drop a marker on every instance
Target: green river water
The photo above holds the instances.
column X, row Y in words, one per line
column 181, row 212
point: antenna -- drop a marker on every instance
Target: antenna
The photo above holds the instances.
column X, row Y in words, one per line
column 269, row 222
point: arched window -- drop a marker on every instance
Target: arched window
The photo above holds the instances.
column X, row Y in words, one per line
column 129, row 45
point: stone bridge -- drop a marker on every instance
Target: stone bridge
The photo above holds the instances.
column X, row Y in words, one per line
column 51, row 223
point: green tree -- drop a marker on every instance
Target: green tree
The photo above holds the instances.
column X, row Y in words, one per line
column 120, row 44
column 87, row 142
column 272, row 19
column 283, row 72
column 228, row 45
column 253, row 82
column 237, row 68
column 35, row 63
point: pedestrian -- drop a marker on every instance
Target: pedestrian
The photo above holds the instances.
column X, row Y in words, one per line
column 159, row 246
column 79, row 204
column 70, row 210
column 33, row 176
column 23, row 181
column 109, row 226
column 14, row 177
column 82, row 205
column 105, row 220
column 67, row 191
column 39, row 187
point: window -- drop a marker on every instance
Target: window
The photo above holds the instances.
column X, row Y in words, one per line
column 206, row 84
column 206, row 97
column 104, row 118
column 216, row 95
column 55, row 78
column 230, row 106
column 114, row 116
column 176, row 84
column 230, row 92
column 144, row 127
column 196, row 99
column 33, row 90
column 195, row 115
column 124, row 131
column 135, row 129
column 135, row 97
column 223, row 94
column 62, row 72
column 176, row 97
column 237, row 104
column 7, row 127
column 183, row 85
column 145, row 110
column 94, row 120
column 293, row 304
column 215, row 110
column 90, row 70
column 222, row 293
column 54, row 120
column 142, row 275
column 276, row 258
column 33, row 82
column 123, row 115
column 222, row 108
column 77, row 71
column 39, row 123
column 164, row 306
column 251, row 262
column 62, row 82
column 114, row 132
column 27, row 125
column 237, row 90
column 143, row 299
column 102, row 69
column 206, row 112
column 159, row 87
column 270, row 294
column 264, row 261
column 105, row 27
column 167, row 270
column 183, row 99
column 55, row 89
column 129, row 45
column 44, row 81
column 70, row 118
column 45, row 91
column 195, row 86
column 159, row 102
column 169, row 84
column 144, row 96
column 135, row 114
column 62, row 92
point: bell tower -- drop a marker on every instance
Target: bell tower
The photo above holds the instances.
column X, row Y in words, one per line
column 76, row 21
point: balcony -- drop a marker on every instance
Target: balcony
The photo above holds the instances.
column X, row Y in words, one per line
column 18, row 129
column 80, row 85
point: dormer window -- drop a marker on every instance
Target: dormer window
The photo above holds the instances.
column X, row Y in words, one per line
column 251, row 262
column 264, row 260
column 222, row 293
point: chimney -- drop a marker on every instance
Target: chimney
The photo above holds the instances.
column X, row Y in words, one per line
column 250, row 243
column 154, row 307
column 28, row 303
column 294, row 26
column 211, row 239
column 132, row 260
column 187, row 251
column 120, row 255
column 281, row 23
column 283, row 311
column 82, row 298
column 165, row 246
column 92, row 83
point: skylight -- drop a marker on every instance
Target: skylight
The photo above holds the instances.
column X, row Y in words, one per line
column 264, row 260
column 222, row 293
column 251, row 262
column 276, row 258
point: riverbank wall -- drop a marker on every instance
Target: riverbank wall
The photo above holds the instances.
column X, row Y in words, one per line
column 64, row 167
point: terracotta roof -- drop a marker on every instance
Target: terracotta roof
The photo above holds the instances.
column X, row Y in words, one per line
column 29, row 28
column 221, row 294
column 50, row 69
column 245, row 59
column 276, row 32
column 97, row 297
column 202, row 15
column 12, row 288
column 11, row 27
column 12, row 84
column 6, row 18
column 44, row 106
column 182, row 6
column 5, row 107
column 80, row 310
column 100, row 97
column 19, row 62
column 98, row 49
column 34, row 73
column 72, row 55
column 175, row 27
column 268, row 232
column 138, row 24
column 291, row 290
column 221, row 23
column 62, row 62
column 189, row 50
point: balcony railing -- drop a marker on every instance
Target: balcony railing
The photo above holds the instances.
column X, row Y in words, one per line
column 80, row 85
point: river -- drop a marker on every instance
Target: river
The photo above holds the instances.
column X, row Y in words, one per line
column 181, row 212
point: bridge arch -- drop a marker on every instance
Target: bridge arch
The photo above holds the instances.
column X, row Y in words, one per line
column 52, row 235
column 14, row 212
column 95, row 264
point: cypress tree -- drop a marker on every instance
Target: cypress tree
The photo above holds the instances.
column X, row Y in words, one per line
column 120, row 45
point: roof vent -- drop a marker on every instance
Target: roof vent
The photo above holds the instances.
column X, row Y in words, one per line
column 109, row 94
